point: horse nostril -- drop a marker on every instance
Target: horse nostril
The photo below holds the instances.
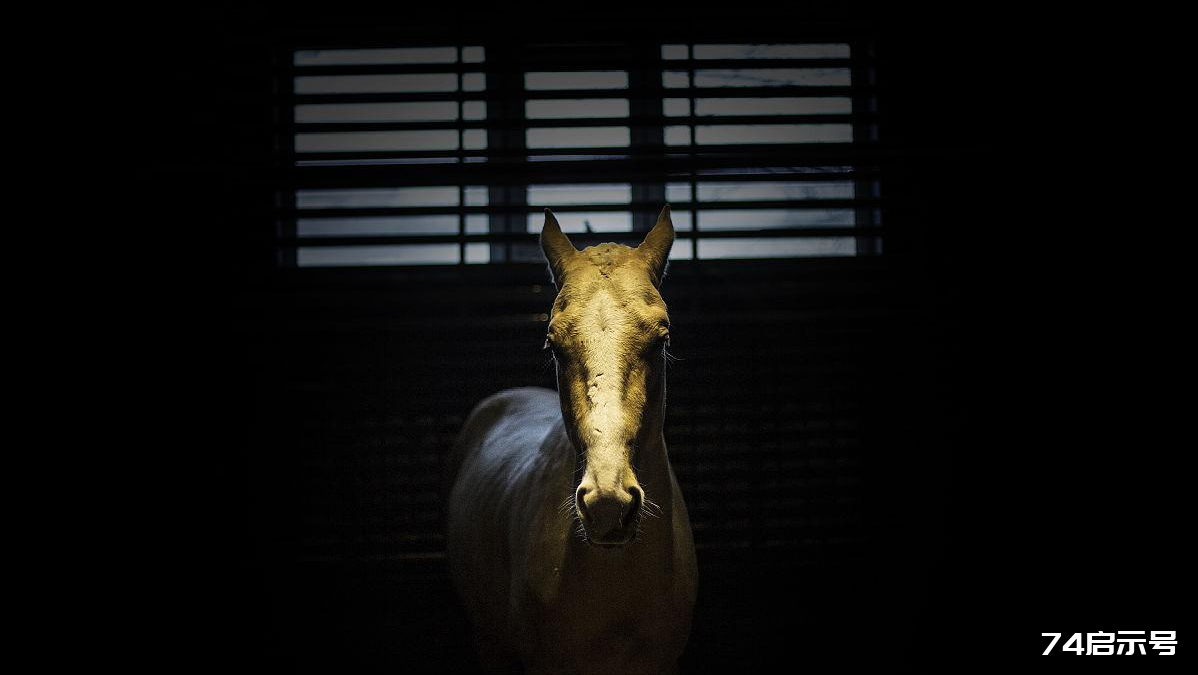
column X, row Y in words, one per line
column 634, row 507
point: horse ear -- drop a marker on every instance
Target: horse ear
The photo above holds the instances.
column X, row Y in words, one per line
column 656, row 247
column 556, row 246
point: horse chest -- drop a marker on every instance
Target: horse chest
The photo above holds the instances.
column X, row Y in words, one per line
column 613, row 616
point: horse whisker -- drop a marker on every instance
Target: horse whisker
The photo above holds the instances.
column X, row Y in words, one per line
column 650, row 504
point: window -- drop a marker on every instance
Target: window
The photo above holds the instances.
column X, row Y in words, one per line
column 448, row 154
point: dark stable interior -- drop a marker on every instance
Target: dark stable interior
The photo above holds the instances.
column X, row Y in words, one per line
column 892, row 460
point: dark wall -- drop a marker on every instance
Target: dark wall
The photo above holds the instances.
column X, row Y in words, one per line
column 875, row 451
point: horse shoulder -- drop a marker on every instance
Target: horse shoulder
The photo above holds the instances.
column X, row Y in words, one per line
column 484, row 479
column 500, row 435
column 509, row 464
column 542, row 526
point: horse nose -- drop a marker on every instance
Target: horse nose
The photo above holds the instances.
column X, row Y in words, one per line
column 609, row 515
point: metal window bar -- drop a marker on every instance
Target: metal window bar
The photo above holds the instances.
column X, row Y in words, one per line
column 285, row 196
column 694, row 182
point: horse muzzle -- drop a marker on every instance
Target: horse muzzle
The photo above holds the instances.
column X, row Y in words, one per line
column 610, row 517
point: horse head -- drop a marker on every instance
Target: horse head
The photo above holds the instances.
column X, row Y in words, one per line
column 608, row 331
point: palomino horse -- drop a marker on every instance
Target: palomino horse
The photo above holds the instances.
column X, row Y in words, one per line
column 567, row 537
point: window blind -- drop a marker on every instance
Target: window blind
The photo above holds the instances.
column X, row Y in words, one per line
column 448, row 154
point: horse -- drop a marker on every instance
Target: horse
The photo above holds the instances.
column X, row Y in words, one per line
column 567, row 537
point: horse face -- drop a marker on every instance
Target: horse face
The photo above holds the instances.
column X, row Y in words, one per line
column 608, row 331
